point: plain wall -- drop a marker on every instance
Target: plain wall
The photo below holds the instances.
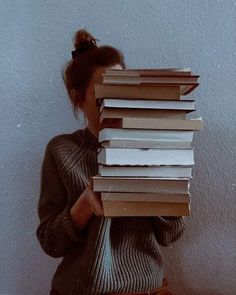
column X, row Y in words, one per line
column 36, row 41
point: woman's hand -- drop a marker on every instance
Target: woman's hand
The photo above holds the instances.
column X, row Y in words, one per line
column 88, row 203
column 94, row 200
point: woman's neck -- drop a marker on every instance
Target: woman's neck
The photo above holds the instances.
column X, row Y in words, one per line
column 94, row 129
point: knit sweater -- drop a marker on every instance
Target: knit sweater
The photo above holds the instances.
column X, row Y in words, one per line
column 120, row 254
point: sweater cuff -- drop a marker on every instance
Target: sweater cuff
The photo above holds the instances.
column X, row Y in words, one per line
column 167, row 222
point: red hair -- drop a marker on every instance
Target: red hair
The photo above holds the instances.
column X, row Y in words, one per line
column 86, row 59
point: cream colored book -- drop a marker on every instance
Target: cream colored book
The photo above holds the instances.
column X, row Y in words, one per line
column 122, row 208
column 156, row 124
column 171, row 92
column 145, row 197
column 141, row 113
column 141, row 185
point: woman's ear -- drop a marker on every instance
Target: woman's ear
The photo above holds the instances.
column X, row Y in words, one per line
column 76, row 99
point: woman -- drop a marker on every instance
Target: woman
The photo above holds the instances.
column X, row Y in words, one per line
column 100, row 255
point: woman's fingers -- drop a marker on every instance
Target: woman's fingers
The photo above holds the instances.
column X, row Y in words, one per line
column 95, row 200
column 98, row 205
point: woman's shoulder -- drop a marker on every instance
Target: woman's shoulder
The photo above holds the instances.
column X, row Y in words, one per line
column 67, row 140
column 66, row 147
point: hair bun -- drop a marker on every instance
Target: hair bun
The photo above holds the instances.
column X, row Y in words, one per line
column 82, row 38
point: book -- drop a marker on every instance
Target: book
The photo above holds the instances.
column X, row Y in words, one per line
column 149, row 72
column 185, row 105
column 151, row 79
column 122, row 208
column 141, row 113
column 143, row 91
column 151, row 123
column 145, row 157
column 150, row 135
column 148, row 171
column 145, row 197
column 146, row 144
column 138, row 91
column 140, row 185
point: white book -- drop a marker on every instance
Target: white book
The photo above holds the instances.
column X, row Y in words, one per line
column 146, row 144
column 145, row 135
column 187, row 105
column 145, row 197
column 138, row 72
column 151, row 171
column 143, row 157
column 141, row 185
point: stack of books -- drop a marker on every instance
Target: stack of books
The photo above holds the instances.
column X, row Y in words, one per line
column 146, row 155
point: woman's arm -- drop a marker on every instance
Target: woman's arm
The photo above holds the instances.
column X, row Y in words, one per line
column 56, row 232
column 168, row 229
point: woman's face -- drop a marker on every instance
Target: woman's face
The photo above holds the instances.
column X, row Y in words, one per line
column 90, row 108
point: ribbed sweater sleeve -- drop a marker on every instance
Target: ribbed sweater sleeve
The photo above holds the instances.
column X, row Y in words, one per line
column 168, row 229
column 56, row 231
